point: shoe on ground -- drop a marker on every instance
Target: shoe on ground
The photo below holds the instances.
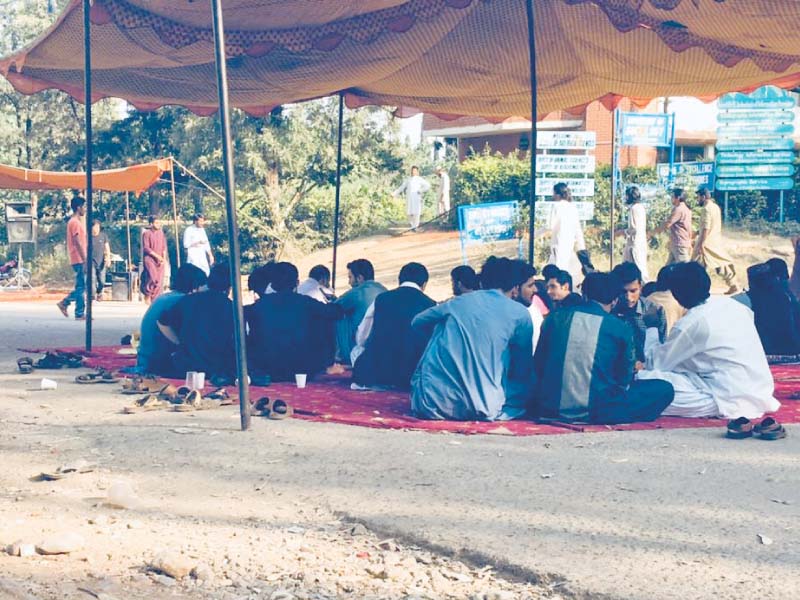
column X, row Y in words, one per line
column 63, row 308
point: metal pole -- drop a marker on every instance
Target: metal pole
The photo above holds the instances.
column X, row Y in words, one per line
column 128, row 233
column 726, row 207
column 338, row 189
column 230, row 203
column 534, row 141
column 614, row 167
column 87, row 92
column 175, row 212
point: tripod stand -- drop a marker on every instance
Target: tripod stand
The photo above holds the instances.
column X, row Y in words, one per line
column 19, row 278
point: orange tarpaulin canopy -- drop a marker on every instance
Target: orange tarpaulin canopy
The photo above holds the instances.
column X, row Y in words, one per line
column 136, row 178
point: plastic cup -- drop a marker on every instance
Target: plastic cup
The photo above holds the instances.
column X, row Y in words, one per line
column 48, row 384
column 199, row 381
column 300, row 380
column 190, row 379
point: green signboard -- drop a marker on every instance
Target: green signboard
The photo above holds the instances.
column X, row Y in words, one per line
column 755, row 143
column 780, row 170
column 746, row 157
column 754, row 129
column 755, row 183
column 767, row 115
column 768, row 96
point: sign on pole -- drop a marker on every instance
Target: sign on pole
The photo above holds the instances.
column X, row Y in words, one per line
column 755, row 183
column 580, row 188
column 566, row 140
column 565, row 163
column 646, row 129
column 694, row 173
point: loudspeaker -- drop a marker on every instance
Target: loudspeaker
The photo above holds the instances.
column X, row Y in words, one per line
column 21, row 223
column 18, row 210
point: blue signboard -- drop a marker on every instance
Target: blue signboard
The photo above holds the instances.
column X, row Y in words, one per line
column 756, row 170
column 755, row 183
column 490, row 222
column 768, row 96
column 643, row 129
column 698, row 172
column 746, row 157
column 763, row 115
column 756, row 143
column 754, row 129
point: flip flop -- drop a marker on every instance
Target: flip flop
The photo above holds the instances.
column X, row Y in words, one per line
column 145, row 404
column 142, row 385
column 262, row 407
column 101, row 376
column 769, row 429
column 195, row 401
column 221, row 396
column 280, row 410
column 739, row 429
column 25, row 365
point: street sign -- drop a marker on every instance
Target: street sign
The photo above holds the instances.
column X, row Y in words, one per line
column 566, row 140
column 746, row 157
column 644, row 129
column 749, row 115
column 481, row 223
column 754, row 129
column 565, row 163
column 580, row 188
column 756, row 170
column 696, row 173
column 768, row 96
column 585, row 210
column 755, row 143
column 755, row 183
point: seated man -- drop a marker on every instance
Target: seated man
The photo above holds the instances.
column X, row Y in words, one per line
column 201, row 324
column 478, row 362
column 664, row 298
column 317, row 286
column 260, row 279
column 286, row 330
column 585, row 364
column 154, row 352
column 638, row 312
column 559, row 289
column 526, row 295
column 391, row 348
column 776, row 310
column 713, row 357
column 464, row 280
column 354, row 305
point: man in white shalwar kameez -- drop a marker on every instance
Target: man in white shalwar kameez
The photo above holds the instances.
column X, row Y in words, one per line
column 713, row 356
column 565, row 230
column 414, row 188
column 636, row 234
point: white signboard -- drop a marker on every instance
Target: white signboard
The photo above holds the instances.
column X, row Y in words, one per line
column 566, row 140
column 565, row 163
column 580, row 188
column 585, row 210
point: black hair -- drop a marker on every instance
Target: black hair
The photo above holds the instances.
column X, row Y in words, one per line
column 76, row 203
column 562, row 278
column 152, row 219
column 679, row 193
column 189, row 278
column 320, row 273
column 778, row 268
column 703, row 191
column 96, row 222
column 627, row 272
column 550, row 271
column 690, row 284
column 260, row 278
column 632, row 195
column 361, row 267
column 663, row 279
column 524, row 271
column 284, row 277
column 560, row 189
column 415, row 273
column 601, row 287
column 467, row 276
column 197, row 217
column 649, row 288
column 498, row 274
column 220, row 277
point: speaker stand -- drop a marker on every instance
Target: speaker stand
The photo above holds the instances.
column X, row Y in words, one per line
column 21, row 280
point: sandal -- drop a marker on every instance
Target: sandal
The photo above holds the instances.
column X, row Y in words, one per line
column 144, row 404
column 280, row 410
column 100, row 376
column 140, row 385
column 769, row 429
column 739, row 429
column 222, row 396
column 262, row 407
column 25, row 365
column 195, row 401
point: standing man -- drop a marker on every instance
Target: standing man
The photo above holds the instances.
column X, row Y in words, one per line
column 679, row 224
column 413, row 187
column 198, row 250
column 708, row 250
column 564, row 229
column 154, row 258
column 76, row 250
column 443, row 195
column 101, row 258
column 635, row 250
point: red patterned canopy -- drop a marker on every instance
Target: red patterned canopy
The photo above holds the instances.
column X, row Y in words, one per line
column 465, row 57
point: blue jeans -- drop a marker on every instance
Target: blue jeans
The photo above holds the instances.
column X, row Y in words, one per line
column 78, row 295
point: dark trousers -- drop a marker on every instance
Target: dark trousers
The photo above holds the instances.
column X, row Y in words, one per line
column 78, row 295
column 99, row 277
column 644, row 401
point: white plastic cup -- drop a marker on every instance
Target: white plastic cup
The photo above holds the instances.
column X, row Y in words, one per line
column 190, row 379
column 199, row 381
column 48, row 384
column 300, row 380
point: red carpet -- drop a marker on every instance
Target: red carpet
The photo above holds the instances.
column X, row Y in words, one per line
column 331, row 399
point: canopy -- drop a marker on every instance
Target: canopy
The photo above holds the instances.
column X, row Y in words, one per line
column 447, row 57
column 136, row 178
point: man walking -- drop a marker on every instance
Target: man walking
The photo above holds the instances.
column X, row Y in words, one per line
column 413, row 187
column 635, row 250
column 101, row 258
column 198, row 249
column 564, row 229
column 76, row 250
column 154, row 259
column 679, row 224
column 708, row 250
column 443, row 195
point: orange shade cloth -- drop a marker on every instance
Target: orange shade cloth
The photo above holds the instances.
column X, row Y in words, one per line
column 136, row 178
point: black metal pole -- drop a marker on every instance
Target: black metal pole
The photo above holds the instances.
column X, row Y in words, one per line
column 87, row 92
column 534, row 109
column 338, row 189
column 230, row 203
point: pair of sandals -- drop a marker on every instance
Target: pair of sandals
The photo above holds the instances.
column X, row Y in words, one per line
column 180, row 399
column 769, row 429
column 272, row 409
column 99, row 376
column 50, row 360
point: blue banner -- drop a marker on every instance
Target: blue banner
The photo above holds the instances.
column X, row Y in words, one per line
column 754, row 129
column 755, row 183
column 698, row 173
column 490, row 222
column 644, row 129
column 768, row 96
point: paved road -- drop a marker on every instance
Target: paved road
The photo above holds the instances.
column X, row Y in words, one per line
column 635, row 515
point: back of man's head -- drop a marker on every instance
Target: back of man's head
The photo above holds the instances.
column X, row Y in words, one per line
column 220, row 277
column 321, row 274
column 466, row 276
column 414, row 272
column 76, row 203
column 189, row 279
column 361, row 267
column 549, row 271
column 524, row 271
column 284, row 277
column 663, row 279
column 259, row 279
column 603, row 288
column 779, row 268
column 627, row 272
column 690, row 284
column 498, row 274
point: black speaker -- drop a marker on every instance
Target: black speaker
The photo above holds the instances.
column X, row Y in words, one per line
column 20, row 223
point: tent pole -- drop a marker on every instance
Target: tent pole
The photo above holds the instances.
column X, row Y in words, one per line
column 230, row 202
column 87, row 92
column 338, row 188
column 128, row 233
column 196, row 177
column 175, row 212
column 529, row 9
